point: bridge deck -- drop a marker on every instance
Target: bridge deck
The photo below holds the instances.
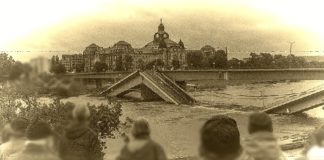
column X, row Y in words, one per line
column 294, row 104
column 156, row 82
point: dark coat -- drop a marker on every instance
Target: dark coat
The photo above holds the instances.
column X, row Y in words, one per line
column 149, row 151
column 34, row 152
column 261, row 146
column 80, row 143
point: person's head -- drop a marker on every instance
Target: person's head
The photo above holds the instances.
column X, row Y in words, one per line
column 319, row 137
column 141, row 129
column 5, row 134
column 220, row 139
column 81, row 114
column 40, row 131
column 259, row 122
column 18, row 127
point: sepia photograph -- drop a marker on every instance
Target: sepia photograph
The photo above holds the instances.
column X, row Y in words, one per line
column 161, row 80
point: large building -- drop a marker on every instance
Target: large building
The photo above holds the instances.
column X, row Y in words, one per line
column 162, row 47
column 40, row 65
column 73, row 61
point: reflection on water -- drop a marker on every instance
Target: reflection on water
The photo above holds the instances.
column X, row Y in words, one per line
column 177, row 127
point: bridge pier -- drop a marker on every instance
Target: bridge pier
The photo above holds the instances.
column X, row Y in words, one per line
column 98, row 83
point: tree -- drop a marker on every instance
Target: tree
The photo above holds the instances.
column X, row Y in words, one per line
column 56, row 66
column 128, row 62
column 140, row 64
column 218, row 60
column 235, row 63
column 119, row 64
column 104, row 119
column 266, row 60
column 19, row 69
column 195, row 59
column 157, row 63
column 100, row 67
column 79, row 67
column 175, row 64
column 5, row 63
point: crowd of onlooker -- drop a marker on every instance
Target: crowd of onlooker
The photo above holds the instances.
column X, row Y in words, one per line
column 219, row 140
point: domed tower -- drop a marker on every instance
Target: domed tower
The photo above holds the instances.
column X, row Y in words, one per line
column 161, row 26
column 160, row 36
column 181, row 44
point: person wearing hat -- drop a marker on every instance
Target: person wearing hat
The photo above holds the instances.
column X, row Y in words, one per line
column 79, row 141
column 38, row 145
column 140, row 146
column 16, row 138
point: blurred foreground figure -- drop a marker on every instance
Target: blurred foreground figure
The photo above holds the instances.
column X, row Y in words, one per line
column 80, row 142
column 5, row 133
column 316, row 152
column 140, row 145
column 261, row 143
column 38, row 145
column 16, row 138
column 220, row 139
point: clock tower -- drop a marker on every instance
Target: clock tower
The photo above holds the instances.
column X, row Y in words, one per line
column 160, row 36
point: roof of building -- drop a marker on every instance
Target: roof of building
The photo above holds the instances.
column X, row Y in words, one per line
column 93, row 45
column 207, row 47
column 153, row 44
column 122, row 43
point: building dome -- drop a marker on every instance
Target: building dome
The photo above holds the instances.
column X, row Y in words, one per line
column 161, row 40
column 123, row 43
column 122, row 47
column 207, row 48
column 92, row 48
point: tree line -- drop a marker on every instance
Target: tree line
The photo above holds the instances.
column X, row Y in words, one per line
column 198, row 60
column 269, row 61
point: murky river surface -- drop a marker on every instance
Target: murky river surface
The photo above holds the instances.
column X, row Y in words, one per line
column 177, row 127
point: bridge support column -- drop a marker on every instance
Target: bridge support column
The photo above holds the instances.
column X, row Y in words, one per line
column 98, row 83
column 148, row 95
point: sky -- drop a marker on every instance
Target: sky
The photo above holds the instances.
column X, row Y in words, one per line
column 44, row 28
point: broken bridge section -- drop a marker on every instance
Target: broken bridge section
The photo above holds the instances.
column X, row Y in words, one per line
column 306, row 100
column 153, row 85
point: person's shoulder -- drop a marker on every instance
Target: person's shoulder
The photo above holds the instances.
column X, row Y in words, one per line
column 16, row 156
column 4, row 145
column 155, row 144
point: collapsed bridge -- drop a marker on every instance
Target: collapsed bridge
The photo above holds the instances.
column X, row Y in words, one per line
column 153, row 85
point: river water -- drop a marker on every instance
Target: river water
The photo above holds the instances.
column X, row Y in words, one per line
column 176, row 128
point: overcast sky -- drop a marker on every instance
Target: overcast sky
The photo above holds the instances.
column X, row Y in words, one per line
column 43, row 27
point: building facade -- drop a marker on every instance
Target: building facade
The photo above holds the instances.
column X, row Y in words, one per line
column 162, row 47
column 72, row 62
column 40, row 65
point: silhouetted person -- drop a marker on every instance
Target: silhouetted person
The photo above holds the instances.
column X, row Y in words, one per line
column 220, row 139
column 16, row 138
column 38, row 145
column 261, row 144
column 80, row 142
column 316, row 151
column 5, row 133
column 140, row 146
